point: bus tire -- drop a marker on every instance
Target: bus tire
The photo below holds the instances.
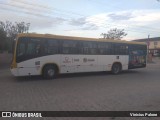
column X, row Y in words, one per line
column 49, row 72
column 116, row 68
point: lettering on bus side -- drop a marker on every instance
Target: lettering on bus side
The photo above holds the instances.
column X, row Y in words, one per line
column 76, row 60
column 88, row 60
column 66, row 60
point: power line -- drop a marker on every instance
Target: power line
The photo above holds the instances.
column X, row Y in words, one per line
column 49, row 8
column 39, row 15
column 102, row 3
column 34, row 13
column 70, row 12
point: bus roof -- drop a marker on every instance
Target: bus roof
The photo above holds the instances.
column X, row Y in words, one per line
column 76, row 38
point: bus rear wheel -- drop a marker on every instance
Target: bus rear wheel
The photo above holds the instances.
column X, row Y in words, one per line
column 49, row 72
column 116, row 68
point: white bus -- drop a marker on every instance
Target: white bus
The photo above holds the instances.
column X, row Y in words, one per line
column 49, row 55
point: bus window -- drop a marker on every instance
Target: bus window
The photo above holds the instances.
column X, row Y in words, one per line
column 52, row 47
column 28, row 48
column 31, row 49
column 90, row 48
column 38, row 49
column 120, row 49
column 93, row 51
column 69, row 47
column 137, row 55
column 21, row 49
column 65, row 50
column 109, row 49
column 79, row 47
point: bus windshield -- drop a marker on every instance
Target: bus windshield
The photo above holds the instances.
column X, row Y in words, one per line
column 28, row 48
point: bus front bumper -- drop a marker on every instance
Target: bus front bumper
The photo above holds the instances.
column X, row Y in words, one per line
column 14, row 71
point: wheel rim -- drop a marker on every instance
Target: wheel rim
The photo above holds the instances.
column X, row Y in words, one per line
column 116, row 68
column 51, row 72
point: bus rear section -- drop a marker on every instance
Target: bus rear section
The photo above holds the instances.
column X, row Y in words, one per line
column 137, row 56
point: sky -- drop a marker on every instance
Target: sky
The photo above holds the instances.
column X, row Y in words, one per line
column 85, row 18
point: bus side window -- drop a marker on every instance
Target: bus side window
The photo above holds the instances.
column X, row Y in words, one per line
column 120, row 49
column 21, row 49
column 51, row 47
column 74, row 47
column 31, row 49
column 93, row 49
column 86, row 48
column 101, row 49
column 69, row 47
column 65, row 47
column 90, row 48
column 65, row 50
column 109, row 49
column 79, row 47
column 38, row 49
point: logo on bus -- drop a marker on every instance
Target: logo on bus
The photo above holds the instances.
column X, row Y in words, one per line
column 66, row 60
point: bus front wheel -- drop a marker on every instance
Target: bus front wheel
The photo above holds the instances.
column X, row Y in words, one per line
column 116, row 68
column 49, row 72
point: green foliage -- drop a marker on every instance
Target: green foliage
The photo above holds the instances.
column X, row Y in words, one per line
column 10, row 31
column 3, row 39
column 114, row 34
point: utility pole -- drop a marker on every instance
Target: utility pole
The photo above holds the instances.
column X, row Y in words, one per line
column 149, row 56
column 148, row 44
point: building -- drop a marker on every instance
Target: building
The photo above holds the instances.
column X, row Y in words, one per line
column 153, row 44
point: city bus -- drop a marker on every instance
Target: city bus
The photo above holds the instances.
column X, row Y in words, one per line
column 49, row 55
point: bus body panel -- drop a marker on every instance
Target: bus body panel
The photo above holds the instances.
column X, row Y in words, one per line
column 108, row 60
column 78, row 63
column 34, row 66
column 70, row 64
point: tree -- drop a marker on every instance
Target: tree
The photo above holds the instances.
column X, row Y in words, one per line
column 12, row 29
column 115, row 34
column 3, row 40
